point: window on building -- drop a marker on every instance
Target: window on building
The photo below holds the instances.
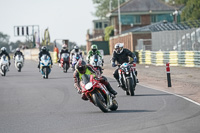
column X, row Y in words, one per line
column 161, row 17
column 100, row 25
column 153, row 19
column 97, row 26
column 105, row 25
column 130, row 19
column 137, row 19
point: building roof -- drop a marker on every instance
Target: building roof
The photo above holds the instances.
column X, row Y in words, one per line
column 144, row 6
column 165, row 26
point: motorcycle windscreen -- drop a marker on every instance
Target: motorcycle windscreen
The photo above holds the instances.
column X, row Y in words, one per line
column 85, row 78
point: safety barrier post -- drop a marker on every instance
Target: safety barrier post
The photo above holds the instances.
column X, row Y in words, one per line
column 168, row 75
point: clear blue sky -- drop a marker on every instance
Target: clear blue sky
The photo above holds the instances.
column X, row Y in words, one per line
column 68, row 19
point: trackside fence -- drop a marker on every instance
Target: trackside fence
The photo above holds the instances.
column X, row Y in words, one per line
column 175, row 58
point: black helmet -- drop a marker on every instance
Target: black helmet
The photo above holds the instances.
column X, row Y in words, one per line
column 44, row 48
column 76, row 48
column 81, row 66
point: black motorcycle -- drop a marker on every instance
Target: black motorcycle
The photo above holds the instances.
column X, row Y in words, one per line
column 127, row 78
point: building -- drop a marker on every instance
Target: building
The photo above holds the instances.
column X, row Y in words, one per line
column 136, row 14
column 97, row 33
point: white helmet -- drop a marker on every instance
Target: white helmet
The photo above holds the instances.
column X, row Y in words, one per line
column 119, row 48
column 17, row 49
column 3, row 49
column 121, row 45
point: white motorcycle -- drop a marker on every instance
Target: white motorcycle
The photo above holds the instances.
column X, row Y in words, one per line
column 96, row 62
column 19, row 62
column 45, row 66
column 75, row 58
column 4, row 64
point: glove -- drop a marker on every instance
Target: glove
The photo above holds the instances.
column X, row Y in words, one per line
column 113, row 64
column 79, row 91
column 135, row 59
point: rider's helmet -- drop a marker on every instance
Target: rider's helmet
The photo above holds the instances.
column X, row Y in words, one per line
column 94, row 48
column 44, row 48
column 119, row 48
column 64, row 46
column 17, row 49
column 76, row 48
column 3, row 49
column 81, row 66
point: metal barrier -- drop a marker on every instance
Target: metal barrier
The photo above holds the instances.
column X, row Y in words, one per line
column 175, row 58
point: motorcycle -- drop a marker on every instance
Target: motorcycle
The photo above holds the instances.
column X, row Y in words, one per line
column 19, row 61
column 65, row 62
column 45, row 66
column 4, row 64
column 75, row 59
column 96, row 62
column 97, row 93
column 127, row 78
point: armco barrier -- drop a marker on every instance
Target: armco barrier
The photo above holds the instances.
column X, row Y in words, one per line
column 175, row 58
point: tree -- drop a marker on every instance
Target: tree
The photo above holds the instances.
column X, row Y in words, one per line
column 4, row 38
column 191, row 9
column 109, row 31
column 102, row 7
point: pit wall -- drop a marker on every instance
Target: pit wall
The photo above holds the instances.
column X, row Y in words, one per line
column 175, row 58
column 32, row 54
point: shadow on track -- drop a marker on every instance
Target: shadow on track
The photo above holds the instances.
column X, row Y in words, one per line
column 132, row 111
column 153, row 95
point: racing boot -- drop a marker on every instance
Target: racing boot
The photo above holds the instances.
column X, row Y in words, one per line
column 119, row 84
column 110, row 89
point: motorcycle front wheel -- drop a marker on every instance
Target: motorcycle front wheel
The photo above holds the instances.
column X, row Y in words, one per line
column 102, row 105
column 4, row 71
column 114, row 105
column 130, row 86
column 20, row 67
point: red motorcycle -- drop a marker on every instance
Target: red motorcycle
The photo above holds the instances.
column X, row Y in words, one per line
column 97, row 93
column 64, row 61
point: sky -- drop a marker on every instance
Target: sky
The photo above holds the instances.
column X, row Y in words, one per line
column 65, row 19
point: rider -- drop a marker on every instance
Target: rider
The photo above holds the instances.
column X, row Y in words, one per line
column 121, row 55
column 82, row 68
column 75, row 51
column 94, row 50
column 63, row 50
column 18, row 52
column 4, row 52
column 44, row 51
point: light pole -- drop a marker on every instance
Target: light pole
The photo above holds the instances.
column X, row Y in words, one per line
column 110, row 5
column 175, row 13
column 119, row 17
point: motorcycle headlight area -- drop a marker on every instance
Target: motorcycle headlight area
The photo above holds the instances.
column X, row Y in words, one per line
column 88, row 86
column 127, row 72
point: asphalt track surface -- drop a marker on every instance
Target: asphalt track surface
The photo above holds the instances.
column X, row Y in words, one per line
column 31, row 104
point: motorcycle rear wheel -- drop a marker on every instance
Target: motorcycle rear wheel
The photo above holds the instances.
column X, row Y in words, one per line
column 99, row 102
